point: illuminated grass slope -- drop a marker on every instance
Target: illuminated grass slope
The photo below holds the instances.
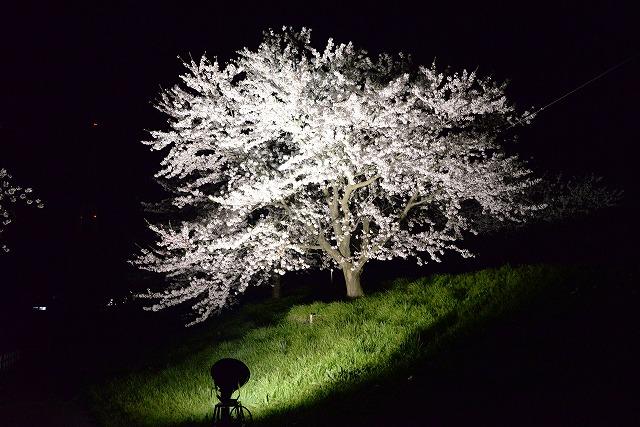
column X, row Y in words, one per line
column 351, row 346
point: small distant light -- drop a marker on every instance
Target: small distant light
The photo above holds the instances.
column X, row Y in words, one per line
column 40, row 307
column 94, row 124
column 94, row 216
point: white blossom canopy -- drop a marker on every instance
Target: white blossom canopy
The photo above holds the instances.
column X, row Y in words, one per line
column 289, row 158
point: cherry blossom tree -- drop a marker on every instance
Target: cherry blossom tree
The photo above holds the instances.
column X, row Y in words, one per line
column 574, row 196
column 10, row 195
column 562, row 199
column 290, row 158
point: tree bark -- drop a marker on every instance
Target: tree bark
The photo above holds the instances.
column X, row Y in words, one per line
column 352, row 280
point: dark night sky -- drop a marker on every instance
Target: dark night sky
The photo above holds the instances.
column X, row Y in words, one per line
column 63, row 69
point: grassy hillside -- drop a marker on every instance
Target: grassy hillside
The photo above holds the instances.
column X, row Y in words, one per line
column 427, row 350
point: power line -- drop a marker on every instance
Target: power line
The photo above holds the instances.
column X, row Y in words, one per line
column 604, row 73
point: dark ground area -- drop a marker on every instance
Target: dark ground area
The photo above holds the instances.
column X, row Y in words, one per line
column 59, row 358
column 570, row 363
column 568, row 359
column 574, row 364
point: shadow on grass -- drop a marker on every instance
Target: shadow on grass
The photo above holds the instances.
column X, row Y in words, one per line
column 564, row 354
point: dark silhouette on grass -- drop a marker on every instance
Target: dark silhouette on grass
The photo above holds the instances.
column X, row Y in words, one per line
column 228, row 376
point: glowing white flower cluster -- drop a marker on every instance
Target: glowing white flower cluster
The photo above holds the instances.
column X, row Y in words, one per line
column 10, row 195
column 289, row 158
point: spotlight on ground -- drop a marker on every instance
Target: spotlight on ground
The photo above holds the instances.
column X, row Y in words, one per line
column 228, row 376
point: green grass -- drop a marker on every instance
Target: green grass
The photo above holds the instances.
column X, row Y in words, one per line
column 351, row 351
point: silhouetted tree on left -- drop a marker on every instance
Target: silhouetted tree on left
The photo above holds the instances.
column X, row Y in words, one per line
column 12, row 194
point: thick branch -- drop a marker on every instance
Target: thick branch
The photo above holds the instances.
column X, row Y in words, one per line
column 349, row 189
column 324, row 244
column 413, row 203
column 345, row 242
column 336, row 221
column 365, row 255
column 408, row 206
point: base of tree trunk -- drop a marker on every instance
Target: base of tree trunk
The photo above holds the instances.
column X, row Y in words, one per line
column 352, row 281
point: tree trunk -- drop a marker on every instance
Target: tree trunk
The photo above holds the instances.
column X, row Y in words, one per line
column 352, row 280
column 276, row 286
